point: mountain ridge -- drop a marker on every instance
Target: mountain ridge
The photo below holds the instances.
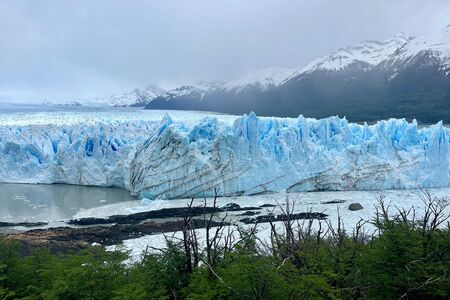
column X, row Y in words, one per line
column 134, row 98
column 399, row 77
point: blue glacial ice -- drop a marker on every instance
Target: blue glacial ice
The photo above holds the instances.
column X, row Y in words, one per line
column 240, row 155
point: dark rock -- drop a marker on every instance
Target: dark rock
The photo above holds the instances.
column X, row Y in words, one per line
column 250, row 213
column 23, row 224
column 69, row 239
column 267, row 205
column 336, row 201
column 278, row 218
column 176, row 212
column 231, row 207
column 355, row 206
column 262, row 193
column 237, row 207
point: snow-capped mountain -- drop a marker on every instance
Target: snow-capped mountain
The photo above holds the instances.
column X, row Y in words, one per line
column 263, row 79
column 399, row 50
column 200, row 89
column 137, row 97
column 399, row 77
column 364, row 55
column 260, row 79
column 436, row 46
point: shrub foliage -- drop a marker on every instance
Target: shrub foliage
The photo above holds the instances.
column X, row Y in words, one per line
column 408, row 257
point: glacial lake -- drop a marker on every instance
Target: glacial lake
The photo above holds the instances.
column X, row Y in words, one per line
column 54, row 202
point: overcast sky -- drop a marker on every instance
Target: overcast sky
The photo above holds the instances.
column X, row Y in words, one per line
column 79, row 48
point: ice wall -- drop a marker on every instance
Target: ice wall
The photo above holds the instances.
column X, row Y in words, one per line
column 95, row 154
column 168, row 159
column 258, row 155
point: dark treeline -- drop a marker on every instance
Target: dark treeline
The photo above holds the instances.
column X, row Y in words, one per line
column 407, row 257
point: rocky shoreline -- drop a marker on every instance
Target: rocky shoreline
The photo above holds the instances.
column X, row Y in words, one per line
column 68, row 239
column 85, row 232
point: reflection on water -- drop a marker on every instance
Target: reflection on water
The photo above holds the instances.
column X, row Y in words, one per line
column 56, row 202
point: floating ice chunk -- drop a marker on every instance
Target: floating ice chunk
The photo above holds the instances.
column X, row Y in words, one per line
column 146, row 201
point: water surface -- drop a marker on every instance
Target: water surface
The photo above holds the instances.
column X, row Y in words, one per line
column 54, row 202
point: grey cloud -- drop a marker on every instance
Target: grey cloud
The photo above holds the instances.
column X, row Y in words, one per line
column 62, row 48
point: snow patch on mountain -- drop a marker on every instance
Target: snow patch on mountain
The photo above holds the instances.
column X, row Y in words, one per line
column 399, row 50
column 366, row 54
column 137, row 97
column 263, row 78
column 201, row 88
column 436, row 45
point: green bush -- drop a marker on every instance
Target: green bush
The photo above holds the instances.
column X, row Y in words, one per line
column 407, row 259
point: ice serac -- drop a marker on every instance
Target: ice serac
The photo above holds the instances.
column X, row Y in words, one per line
column 83, row 154
column 259, row 155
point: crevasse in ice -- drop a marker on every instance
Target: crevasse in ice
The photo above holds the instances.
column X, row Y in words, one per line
column 253, row 155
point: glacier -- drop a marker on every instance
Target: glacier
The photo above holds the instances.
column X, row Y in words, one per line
column 190, row 155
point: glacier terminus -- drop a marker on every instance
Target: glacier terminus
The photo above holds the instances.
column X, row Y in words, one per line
column 168, row 155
